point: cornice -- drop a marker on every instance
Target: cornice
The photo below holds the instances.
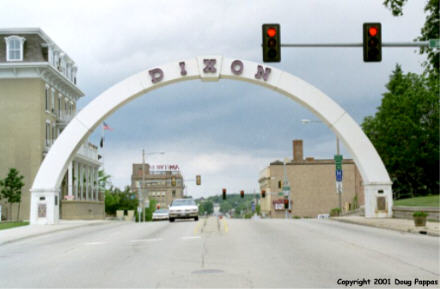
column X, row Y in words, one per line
column 40, row 70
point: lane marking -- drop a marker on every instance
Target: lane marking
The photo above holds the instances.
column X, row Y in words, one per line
column 196, row 228
column 225, row 225
column 146, row 240
column 94, row 243
column 190, row 237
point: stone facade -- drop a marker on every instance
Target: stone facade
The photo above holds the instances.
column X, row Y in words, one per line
column 312, row 186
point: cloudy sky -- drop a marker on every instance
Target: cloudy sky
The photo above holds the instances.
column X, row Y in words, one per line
column 227, row 131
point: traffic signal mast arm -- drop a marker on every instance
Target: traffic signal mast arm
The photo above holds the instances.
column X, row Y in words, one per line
column 360, row 44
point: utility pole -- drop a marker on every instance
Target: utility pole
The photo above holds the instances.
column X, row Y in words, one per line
column 143, row 185
column 339, row 192
column 286, row 188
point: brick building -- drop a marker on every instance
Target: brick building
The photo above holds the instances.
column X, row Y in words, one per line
column 312, row 185
column 158, row 183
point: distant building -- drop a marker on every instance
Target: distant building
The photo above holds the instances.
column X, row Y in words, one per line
column 312, row 185
column 38, row 95
column 157, row 183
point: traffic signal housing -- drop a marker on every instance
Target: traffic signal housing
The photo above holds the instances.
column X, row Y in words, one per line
column 242, row 194
column 372, row 42
column 198, row 180
column 173, row 181
column 271, row 43
column 263, row 193
column 286, row 203
column 224, row 194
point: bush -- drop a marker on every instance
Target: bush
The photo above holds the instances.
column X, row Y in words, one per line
column 335, row 212
column 420, row 214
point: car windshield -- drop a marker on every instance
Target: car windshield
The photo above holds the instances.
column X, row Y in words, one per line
column 183, row 202
column 161, row 211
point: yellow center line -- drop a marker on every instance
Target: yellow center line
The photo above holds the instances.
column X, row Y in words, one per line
column 225, row 226
column 197, row 227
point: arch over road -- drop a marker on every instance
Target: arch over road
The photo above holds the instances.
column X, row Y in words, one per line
column 46, row 187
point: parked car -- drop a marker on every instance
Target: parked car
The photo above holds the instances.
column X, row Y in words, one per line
column 183, row 209
column 160, row 215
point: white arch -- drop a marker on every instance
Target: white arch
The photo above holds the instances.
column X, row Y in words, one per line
column 212, row 68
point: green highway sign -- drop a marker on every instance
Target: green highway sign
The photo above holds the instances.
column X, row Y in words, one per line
column 434, row 43
column 338, row 162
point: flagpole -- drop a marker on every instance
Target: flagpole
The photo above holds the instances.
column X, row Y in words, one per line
column 102, row 145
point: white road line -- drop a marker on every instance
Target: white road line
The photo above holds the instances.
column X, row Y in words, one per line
column 190, row 237
column 94, row 243
column 146, row 240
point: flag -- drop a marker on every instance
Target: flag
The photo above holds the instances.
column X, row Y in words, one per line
column 106, row 126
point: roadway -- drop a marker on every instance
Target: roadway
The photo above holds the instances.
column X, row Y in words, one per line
column 213, row 253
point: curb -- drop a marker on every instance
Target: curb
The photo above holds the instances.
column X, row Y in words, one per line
column 429, row 233
column 51, row 232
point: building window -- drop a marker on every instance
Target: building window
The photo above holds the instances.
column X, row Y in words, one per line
column 47, row 133
column 47, row 98
column 59, row 106
column 14, row 48
column 53, row 100
column 54, row 133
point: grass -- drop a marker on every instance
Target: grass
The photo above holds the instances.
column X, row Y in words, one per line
column 428, row 201
column 9, row 225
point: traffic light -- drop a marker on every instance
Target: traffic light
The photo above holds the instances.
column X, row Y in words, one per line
column 173, row 181
column 286, row 203
column 198, row 180
column 271, row 43
column 224, row 194
column 279, row 185
column 372, row 42
column 263, row 193
column 242, row 194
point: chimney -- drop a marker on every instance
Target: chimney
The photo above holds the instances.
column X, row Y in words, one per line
column 297, row 150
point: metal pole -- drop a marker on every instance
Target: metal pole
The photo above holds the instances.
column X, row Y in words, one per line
column 358, row 44
column 143, row 185
column 339, row 193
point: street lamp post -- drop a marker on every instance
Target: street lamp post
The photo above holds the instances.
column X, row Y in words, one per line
column 307, row 121
column 142, row 191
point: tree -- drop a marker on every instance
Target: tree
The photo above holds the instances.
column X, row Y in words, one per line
column 405, row 132
column 11, row 188
column 225, row 207
column 430, row 29
column 207, row 207
column 103, row 180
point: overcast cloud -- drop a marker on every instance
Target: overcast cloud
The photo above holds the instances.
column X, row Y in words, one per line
column 226, row 131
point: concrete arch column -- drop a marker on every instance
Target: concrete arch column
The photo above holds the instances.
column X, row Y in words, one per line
column 377, row 184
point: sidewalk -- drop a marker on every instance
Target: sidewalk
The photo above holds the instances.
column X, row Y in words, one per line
column 401, row 225
column 30, row 231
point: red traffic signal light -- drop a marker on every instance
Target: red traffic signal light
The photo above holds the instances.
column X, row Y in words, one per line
column 286, row 204
column 271, row 43
column 242, row 194
column 372, row 31
column 263, row 193
column 372, row 42
column 224, row 194
column 271, row 32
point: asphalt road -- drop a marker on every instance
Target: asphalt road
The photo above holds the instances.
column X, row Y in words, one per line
column 225, row 253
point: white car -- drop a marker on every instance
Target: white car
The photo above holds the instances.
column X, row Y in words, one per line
column 183, row 209
column 160, row 215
